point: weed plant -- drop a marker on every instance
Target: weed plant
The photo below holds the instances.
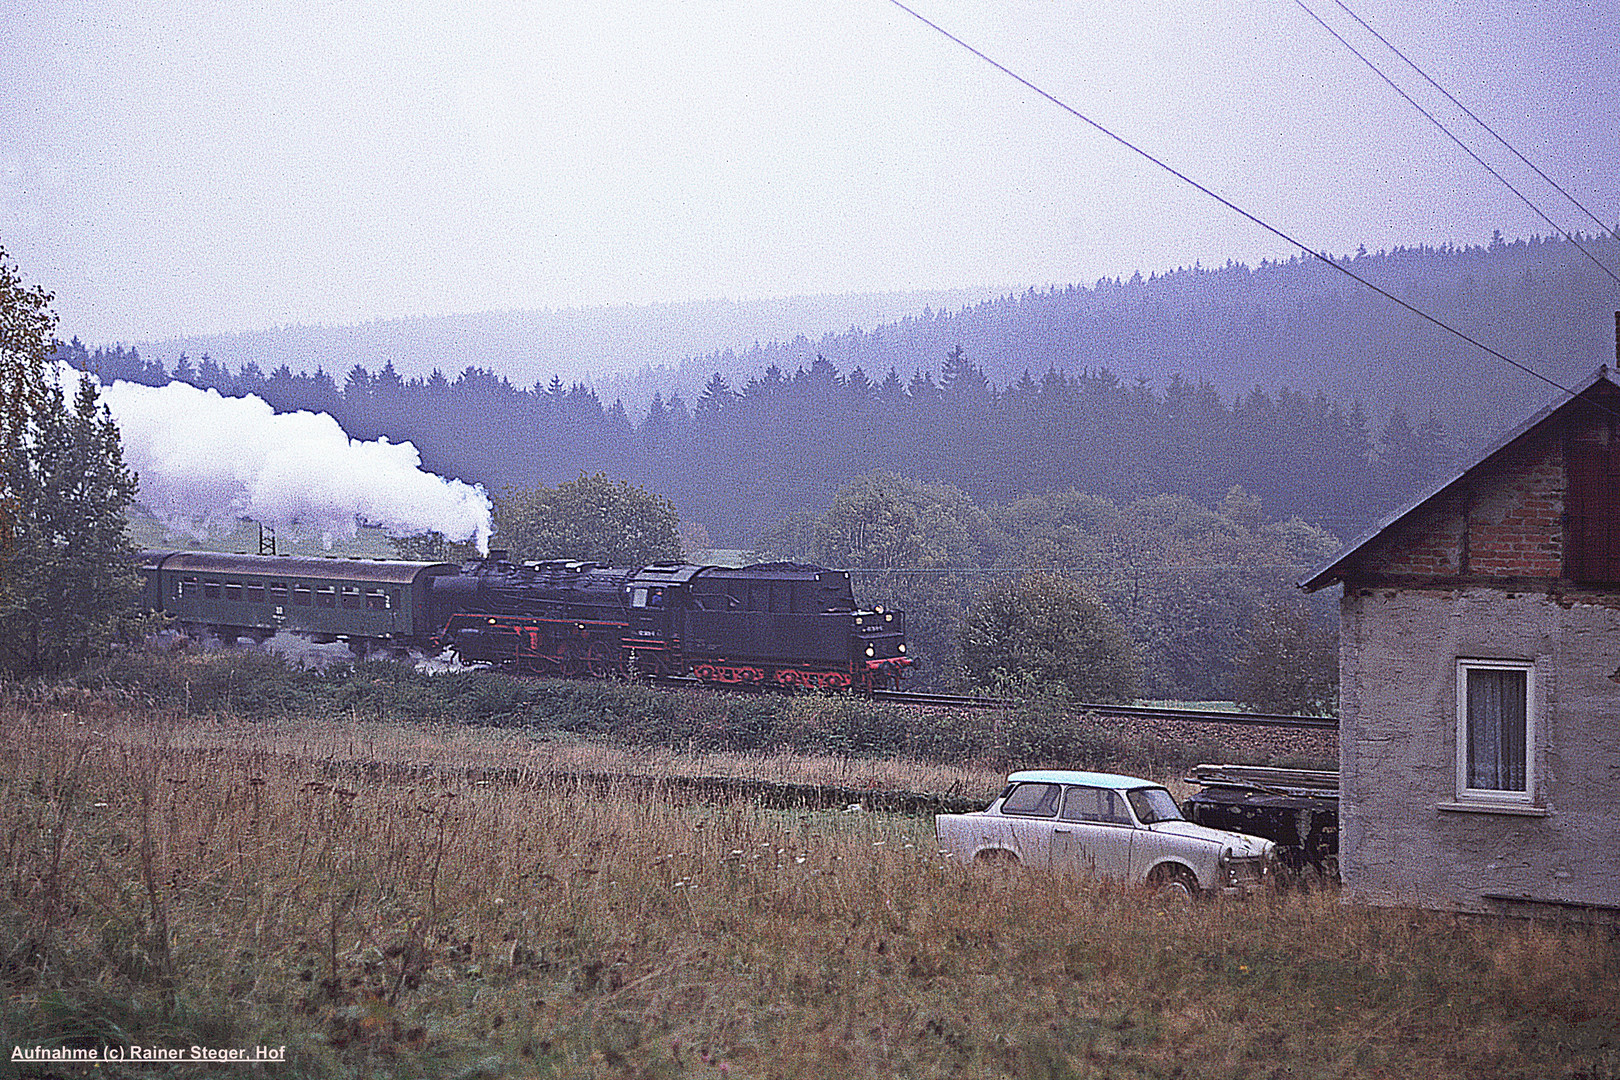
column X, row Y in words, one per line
column 165, row 889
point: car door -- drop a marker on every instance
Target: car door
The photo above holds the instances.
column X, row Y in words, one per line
column 1025, row 823
column 1094, row 832
column 1158, row 838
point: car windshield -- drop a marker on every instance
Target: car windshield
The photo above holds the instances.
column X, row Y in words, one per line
column 1153, row 804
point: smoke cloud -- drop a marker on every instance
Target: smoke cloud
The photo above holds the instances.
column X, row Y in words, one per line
column 206, row 461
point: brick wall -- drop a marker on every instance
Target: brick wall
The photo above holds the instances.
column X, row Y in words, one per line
column 1515, row 526
column 1505, row 520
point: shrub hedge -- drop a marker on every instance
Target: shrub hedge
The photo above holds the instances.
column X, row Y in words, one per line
column 259, row 686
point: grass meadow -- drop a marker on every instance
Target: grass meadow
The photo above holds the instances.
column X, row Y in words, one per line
column 176, row 881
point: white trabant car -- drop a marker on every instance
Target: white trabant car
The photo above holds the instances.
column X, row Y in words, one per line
column 1109, row 826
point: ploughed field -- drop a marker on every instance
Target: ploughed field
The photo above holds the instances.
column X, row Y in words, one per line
column 409, row 900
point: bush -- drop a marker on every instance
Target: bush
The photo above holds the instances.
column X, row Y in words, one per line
column 1042, row 730
column 1291, row 663
column 1050, row 632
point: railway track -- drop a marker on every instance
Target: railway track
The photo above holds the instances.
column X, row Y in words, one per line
column 1142, row 712
column 961, row 701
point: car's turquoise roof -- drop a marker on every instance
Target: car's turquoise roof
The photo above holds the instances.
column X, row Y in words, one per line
column 1070, row 776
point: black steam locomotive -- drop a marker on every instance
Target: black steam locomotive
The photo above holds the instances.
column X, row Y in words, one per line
column 772, row 624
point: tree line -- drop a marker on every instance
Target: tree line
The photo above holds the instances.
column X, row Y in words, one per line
column 1296, row 322
column 737, row 460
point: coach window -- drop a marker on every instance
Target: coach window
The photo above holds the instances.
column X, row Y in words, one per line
column 376, row 600
column 233, row 590
column 186, row 587
column 255, row 594
column 302, row 595
column 278, row 594
column 351, row 596
column 1496, row 731
column 211, row 590
column 326, row 596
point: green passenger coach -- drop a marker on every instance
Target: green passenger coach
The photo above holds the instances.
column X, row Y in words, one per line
column 325, row 599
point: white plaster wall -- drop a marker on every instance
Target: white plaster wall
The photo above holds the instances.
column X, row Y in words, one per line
column 1398, row 655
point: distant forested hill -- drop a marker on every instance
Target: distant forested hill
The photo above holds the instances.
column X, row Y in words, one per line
column 1298, row 323
column 628, row 351
column 1311, row 392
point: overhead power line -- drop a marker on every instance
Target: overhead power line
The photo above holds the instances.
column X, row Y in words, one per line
column 1410, row 100
column 1610, row 229
column 1235, row 208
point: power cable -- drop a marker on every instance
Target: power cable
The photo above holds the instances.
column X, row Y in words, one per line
column 1452, row 136
column 1469, row 112
column 1235, row 208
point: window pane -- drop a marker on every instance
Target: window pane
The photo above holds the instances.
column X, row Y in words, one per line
column 1496, row 729
column 1093, row 804
column 1154, row 804
column 1038, row 799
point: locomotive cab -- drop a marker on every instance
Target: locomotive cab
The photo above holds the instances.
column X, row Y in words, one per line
column 782, row 625
column 654, row 598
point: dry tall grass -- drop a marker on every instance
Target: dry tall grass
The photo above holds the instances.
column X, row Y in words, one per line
column 170, row 885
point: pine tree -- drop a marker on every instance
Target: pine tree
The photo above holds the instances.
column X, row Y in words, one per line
column 716, row 395
column 67, row 567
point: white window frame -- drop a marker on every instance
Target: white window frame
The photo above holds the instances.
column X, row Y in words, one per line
column 1467, row 794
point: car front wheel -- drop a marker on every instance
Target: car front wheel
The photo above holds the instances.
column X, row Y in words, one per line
column 1172, row 884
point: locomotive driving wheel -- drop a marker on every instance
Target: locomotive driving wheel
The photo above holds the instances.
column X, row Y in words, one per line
column 595, row 660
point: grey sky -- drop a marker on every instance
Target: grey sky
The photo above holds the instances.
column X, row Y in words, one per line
column 171, row 167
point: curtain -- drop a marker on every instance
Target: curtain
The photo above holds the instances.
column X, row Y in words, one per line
column 1496, row 730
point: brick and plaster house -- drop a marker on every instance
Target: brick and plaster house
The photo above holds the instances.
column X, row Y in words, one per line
column 1480, row 679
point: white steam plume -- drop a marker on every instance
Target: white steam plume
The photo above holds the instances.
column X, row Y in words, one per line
column 207, row 461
